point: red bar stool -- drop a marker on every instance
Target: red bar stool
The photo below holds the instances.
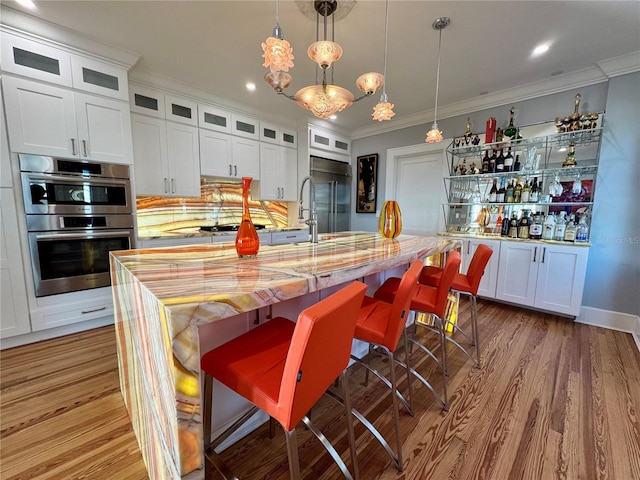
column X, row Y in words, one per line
column 464, row 285
column 381, row 325
column 431, row 301
column 283, row 368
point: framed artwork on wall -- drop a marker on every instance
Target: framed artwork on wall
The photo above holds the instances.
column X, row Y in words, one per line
column 367, row 183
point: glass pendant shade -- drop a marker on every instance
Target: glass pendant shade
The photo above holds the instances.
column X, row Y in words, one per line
column 390, row 221
column 278, row 55
column 384, row 109
column 369, row 83
column 278, row 80
column 247, row 240
column 324, row 53
column 434, row 135
column 324, row 101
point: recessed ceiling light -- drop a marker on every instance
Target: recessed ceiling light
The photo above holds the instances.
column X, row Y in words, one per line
column 333, row 117
column 251, row 87
column 26, row 3
column 540, row 49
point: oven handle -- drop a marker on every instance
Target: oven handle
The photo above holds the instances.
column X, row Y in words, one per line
column 80, row 235
column 79, row 179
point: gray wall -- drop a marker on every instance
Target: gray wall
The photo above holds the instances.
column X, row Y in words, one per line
column 611, row 259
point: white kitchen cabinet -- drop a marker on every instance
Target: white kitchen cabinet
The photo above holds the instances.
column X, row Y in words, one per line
column 227, row 156
column 214, row 118
column 329, row 141
column 181, row 110
column 561, row 273
column 246, row 158
column 166, row 156
column 245, row 126
column 489, row 280
column 99, row 78
column 545, row 276
column 146, row 101
column 14, row 311
column 49, row 120
column 6, row 179
column 278, row 173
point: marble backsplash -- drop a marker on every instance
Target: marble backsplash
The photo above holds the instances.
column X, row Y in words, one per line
column 220, row 203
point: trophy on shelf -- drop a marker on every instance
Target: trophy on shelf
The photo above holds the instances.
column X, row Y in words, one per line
column 577, row 121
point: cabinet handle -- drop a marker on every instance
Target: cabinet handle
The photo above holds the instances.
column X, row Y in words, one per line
column 544, row 253
column 468, row 247
column 235, row 170
column 173, row 185
column 73, row 146
column 282, row 196
column 166, row 189
column 94, row 310
column 84, row 148
column 535, row 253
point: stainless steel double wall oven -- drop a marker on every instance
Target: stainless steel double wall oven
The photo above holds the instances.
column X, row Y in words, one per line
column 76, row 213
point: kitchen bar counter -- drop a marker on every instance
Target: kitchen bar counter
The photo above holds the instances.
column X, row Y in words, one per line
column 165, row 298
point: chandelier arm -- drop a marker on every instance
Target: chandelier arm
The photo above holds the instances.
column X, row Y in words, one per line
column 283, row 93
column 361, row 97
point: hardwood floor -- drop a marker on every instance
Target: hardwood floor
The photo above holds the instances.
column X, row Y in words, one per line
column 553, row 400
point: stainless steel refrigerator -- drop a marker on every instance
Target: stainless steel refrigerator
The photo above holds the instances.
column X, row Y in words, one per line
column 333, row 194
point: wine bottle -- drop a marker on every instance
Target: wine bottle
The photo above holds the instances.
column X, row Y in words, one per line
column 508, row 161
column 506, row 224
column 492, row 163
column 508, row 196
column 517, row 165
column 493, row 193
column 501, row 192
column 526, row 193
column 500, row 162
column 511, row 130
column 485, row 162
column 534, row 191
column 517, row 192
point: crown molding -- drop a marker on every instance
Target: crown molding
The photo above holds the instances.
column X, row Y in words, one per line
column 589, row 76
column 39, row 30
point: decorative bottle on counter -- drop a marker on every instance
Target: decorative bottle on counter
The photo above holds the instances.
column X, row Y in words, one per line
column 390, row 221
column 247, row 240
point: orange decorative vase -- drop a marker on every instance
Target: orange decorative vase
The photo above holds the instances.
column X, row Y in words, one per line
column 390, row 221
column 247, row 240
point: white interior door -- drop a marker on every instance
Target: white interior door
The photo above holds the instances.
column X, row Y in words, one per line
column 414, row 179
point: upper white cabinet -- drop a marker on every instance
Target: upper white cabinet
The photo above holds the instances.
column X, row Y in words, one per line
column 49, row 120
column 214, row 118
column 271, row 133
column 14, row 314
column 167, row 161
column 329, row 141
column 216, row 154
column 545, row 276
column 146, row 101
column 278, row 174
column 29, row 58
column 246, row 158
column 245, row 126
column 181, row 110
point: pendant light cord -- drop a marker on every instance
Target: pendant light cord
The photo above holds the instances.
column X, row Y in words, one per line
column 435, row 113
column 386, row 25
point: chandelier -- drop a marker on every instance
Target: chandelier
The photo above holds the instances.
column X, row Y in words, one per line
column 323, row 99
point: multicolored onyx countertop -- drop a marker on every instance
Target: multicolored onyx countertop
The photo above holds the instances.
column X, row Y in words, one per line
column 163, row 296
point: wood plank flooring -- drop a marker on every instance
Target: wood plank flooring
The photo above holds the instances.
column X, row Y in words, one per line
column 553, row 400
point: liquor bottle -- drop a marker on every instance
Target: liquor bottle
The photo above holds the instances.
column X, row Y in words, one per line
column 499, row 221
column 492, row 163
column 582, row 229
column 501, row 192
column 570, row 159
column 490, row 130
column 485, row 162
column 508, row 161
column 499, row 135
column 517, row 165
column 535, row 229
column 517, row 192
column 561, row 225
column 493, row 193
column 511, row 130
column 506, row 225
column 500, row 162
column 570, row 230
column 534, row 191
column 525, row 223
column 549, row 227
column 508, row 196
column 513, row 226
column 526, row 193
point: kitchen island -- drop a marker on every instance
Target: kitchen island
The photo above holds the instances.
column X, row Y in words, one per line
column 173, row 304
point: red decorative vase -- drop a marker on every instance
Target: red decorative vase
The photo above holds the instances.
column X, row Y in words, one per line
column 247, row 240
column 390, row 221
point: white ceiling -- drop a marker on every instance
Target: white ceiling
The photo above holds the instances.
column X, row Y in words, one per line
column 214, row 46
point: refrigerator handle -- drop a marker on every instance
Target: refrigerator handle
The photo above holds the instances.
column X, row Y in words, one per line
column 335, row 205
column 332, row 216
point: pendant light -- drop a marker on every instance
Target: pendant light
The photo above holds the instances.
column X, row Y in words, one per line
column 384, row 110
column 435, row 134
column 278, row 54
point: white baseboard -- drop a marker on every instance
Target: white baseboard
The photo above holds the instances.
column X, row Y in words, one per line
column 623, row 322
